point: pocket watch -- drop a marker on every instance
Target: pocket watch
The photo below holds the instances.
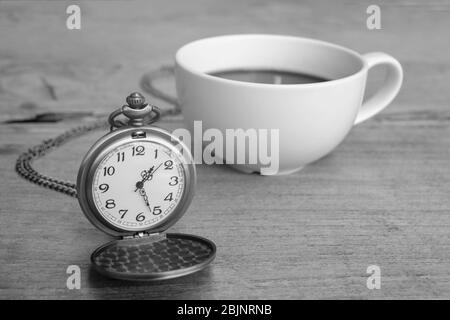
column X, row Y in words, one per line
column 133, row 184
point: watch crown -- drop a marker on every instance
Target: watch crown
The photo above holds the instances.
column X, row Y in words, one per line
column 136, row 100
column 138, row 112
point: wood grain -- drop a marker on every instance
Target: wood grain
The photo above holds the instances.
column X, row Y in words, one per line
column 382, row 197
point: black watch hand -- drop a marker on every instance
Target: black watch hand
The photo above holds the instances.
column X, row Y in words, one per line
column 153, row 172
column 146, row 174
column 145, row 197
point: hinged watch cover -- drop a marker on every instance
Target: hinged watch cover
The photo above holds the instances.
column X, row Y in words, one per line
column 153, row 257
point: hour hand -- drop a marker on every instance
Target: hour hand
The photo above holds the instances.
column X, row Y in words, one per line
column 144, row 195
column 146, row 175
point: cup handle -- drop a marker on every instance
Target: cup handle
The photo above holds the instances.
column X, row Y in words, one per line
column 388, row 91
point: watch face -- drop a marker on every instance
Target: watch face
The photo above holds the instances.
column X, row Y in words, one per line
column 138, row 184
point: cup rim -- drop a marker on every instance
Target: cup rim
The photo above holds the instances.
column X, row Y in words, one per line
column 179, row 62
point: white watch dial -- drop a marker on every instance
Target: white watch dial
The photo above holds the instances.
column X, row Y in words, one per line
column 138, row 184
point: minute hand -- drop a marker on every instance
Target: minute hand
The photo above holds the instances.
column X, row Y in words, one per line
column 153, row 172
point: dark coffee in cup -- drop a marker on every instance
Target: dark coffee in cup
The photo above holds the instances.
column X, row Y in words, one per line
column 267, row 76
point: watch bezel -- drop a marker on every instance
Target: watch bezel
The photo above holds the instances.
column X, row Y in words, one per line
column 120, row 137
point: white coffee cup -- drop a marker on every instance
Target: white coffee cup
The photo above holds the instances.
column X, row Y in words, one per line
column 312, row 118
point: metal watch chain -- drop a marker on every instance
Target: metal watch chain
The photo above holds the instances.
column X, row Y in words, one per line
column 135, row 100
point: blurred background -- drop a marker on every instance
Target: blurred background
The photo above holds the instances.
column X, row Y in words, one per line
column 95, row 67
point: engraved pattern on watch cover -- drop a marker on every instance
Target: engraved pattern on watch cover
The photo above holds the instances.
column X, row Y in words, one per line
column 155, row 257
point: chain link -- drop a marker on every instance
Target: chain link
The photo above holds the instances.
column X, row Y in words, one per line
column 23, row 163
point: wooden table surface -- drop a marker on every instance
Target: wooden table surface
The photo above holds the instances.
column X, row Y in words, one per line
column 381, row 198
